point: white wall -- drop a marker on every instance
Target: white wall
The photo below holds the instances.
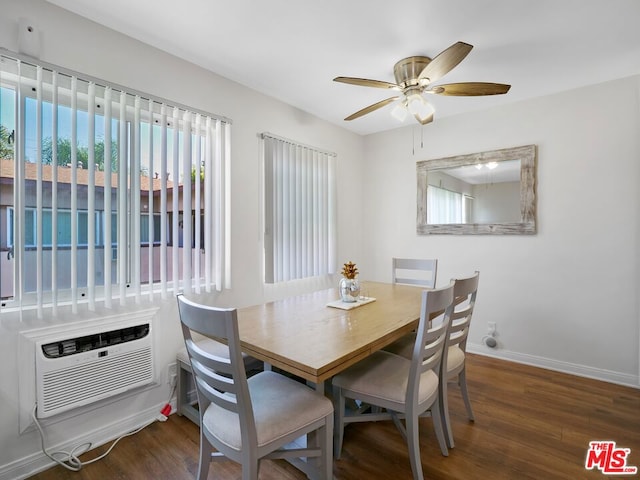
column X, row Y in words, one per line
column 496, row 202
column 80, row 45
column 567, row 297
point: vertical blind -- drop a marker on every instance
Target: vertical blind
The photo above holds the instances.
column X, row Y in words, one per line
column 125, row 193
column 443, row 206
column 299, row 206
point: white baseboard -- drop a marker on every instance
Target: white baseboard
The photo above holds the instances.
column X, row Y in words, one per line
column 558, row 366
column 37, row 462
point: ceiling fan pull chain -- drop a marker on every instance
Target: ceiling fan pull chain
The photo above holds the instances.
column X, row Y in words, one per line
column 422, row 137
column 413, row 140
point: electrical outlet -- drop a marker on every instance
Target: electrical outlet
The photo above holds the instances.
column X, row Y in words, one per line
column 172, row 372
column 491, row 328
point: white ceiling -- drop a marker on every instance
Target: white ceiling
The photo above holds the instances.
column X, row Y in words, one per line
column 504, row 171
column 291, row 50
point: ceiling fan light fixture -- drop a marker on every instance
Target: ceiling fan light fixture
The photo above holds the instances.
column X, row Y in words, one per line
column 399, row 112
column 415, row 103
column 425, row 111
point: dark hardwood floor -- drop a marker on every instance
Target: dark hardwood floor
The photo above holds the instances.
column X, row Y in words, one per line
column 530, row 424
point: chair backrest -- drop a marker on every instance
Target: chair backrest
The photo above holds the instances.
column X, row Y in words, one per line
column 431, row 337
column 465, row 291
column 222, row 381
column 414, row 271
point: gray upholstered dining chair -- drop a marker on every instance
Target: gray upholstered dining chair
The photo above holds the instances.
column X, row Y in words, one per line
column 248, row 420
column 411, row 271
column 454, row 367
column 454, row 364
column 402, row 387
column 184, row 381
column 414, row 271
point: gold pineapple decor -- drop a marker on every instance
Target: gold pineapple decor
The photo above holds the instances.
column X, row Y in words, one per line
column 349, row 270
column 349, row 285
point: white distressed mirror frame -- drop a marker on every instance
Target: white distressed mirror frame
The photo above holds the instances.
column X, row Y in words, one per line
column 527, row 156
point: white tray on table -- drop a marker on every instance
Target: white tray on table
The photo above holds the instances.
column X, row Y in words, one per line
column 350, row 305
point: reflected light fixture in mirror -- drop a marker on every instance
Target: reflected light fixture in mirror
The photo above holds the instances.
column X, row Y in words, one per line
column 490, row 165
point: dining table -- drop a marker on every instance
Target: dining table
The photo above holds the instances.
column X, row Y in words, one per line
column 315, row 335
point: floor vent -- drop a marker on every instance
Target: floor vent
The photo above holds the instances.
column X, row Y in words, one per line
column 72, row 372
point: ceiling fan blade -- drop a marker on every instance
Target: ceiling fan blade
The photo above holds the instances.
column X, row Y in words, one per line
column 364, row 82
column 424, row 121
column 470, row 89
column 445, row 61
column 371, row 108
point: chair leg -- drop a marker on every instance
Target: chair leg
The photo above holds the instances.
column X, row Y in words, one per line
column 181, row 390
column 436, row 415
column 205, row 457
column 326, row 440
column 338, row 412
column 401, row 428
column 443, row 393
column 413, row 443
column 250, row 470
column 462, row 380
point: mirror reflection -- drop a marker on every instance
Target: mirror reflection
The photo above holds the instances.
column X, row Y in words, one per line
column 481, row 193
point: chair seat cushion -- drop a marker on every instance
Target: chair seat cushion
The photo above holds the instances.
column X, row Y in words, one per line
column 384, row 375
column 455, row 360
column 281, row 406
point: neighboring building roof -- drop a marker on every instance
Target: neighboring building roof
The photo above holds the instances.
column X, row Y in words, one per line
column 64, row 175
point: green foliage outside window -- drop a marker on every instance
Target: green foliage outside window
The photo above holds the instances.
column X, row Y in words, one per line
column 82, row 154
column 6, row 149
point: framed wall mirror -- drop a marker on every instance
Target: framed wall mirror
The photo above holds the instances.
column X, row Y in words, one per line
column 480, row 193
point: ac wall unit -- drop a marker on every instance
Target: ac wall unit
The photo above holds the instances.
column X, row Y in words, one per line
column 73, row 372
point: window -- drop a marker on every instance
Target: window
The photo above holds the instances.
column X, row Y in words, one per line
column 63, row 230
column 146, row 235
column 299, row 210
column 94, row 184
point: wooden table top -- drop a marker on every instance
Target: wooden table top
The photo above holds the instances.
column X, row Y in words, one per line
column 305, row 337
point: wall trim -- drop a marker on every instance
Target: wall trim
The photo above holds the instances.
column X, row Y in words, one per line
column 558, row 366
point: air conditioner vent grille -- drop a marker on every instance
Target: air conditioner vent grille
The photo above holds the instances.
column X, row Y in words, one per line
column 87, row 343
column 76, row 385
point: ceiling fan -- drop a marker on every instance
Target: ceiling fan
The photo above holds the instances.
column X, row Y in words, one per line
column 415, row 76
